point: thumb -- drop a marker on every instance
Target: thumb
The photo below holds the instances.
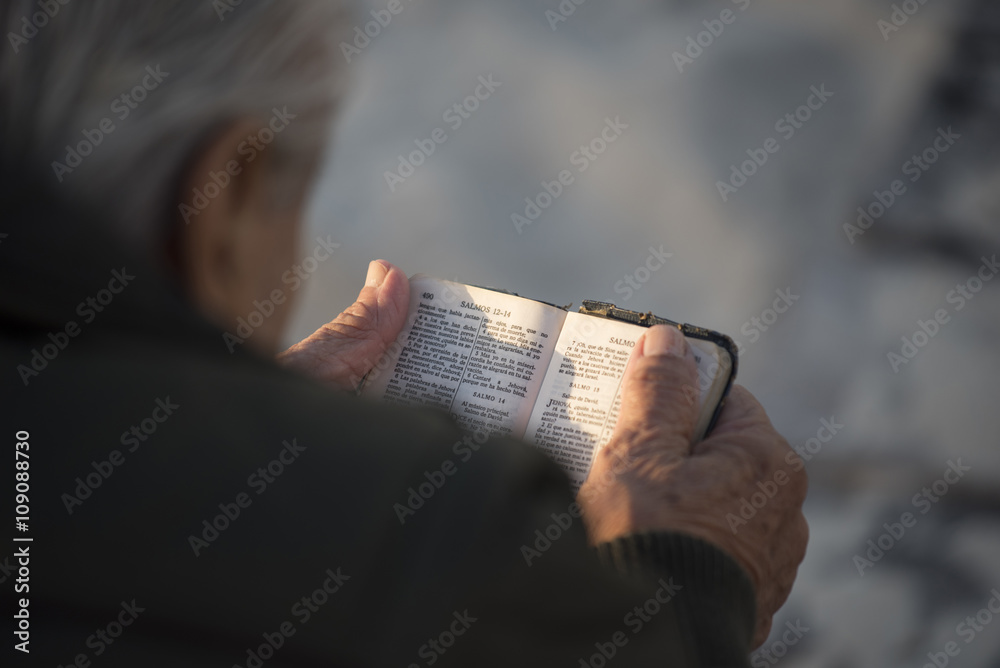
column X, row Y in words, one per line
column 659, row 396
column 343, row 350
column 379, row 311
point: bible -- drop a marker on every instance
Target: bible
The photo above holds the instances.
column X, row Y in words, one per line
column 502, row 364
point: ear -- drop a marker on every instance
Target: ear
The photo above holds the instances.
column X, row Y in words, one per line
column 222, row 194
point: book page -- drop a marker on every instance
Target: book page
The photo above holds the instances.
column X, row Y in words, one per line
column 477, row 354
column 578, row 404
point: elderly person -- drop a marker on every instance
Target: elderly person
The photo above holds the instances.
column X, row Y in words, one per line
column 197, row 499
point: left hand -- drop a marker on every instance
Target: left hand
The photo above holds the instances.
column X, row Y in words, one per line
column 343, row 350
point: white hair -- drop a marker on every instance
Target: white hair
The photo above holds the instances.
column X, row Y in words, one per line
column 66, row 64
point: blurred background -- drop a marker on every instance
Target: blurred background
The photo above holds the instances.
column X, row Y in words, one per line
column 894, row 78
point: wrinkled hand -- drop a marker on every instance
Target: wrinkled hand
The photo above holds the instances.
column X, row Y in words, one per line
column 343, row 350
column 650, row 478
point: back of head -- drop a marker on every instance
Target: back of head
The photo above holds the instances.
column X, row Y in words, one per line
column 105, row 102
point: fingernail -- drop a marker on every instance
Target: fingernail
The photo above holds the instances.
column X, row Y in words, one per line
column 664, row 340
column 377, row 272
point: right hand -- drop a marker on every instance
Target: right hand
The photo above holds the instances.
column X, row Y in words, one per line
column 651, row 478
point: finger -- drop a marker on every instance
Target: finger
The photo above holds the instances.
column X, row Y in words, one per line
column 657, row 392
column 378, row 314
column 380, row 309
column 756, row 440
column 762, row 631
column 388, row 281
column 741, row 415
column 343, row 350
column 740, row 409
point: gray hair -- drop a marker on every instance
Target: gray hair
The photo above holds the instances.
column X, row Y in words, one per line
column 141, row 85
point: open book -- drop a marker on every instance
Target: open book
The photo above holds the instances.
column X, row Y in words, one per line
column 506, row 365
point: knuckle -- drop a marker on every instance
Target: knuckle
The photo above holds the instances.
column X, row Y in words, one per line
column 663, row 371
column 646, row 371
column 802, row 537
column 800, row 485
column 763, row 627
column 784, row 590
column 646, row 444
column 741, row 465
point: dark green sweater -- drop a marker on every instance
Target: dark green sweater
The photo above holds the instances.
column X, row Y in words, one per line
column 329, row 561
